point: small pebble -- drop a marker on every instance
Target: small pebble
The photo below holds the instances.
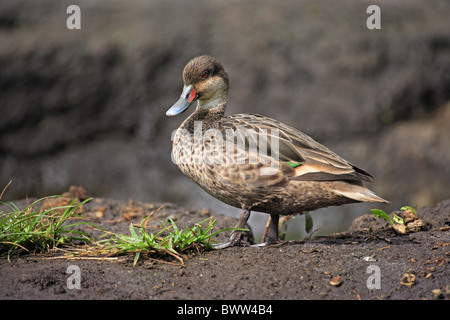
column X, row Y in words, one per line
column 336, row 281
column 437, row 293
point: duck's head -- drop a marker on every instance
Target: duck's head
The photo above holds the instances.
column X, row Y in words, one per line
column 205, row 81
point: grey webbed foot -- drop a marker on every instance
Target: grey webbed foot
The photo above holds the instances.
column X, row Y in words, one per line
column 235, row 237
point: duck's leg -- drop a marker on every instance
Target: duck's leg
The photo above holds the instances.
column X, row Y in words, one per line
column 235, row 236
column 273, row 232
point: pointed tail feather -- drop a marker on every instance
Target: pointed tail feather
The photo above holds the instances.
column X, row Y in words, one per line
column 359, row 193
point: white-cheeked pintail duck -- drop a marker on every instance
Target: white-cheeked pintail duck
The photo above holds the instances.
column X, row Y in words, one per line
column 254, row 162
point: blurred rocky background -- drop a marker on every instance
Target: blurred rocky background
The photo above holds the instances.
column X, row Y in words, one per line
column 87, row 107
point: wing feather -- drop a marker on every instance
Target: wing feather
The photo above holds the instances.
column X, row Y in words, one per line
column 300, row 157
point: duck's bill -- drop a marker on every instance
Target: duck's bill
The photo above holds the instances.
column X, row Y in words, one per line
column 188, row 97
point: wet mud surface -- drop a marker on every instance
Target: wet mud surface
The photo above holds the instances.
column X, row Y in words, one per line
column 343, row 266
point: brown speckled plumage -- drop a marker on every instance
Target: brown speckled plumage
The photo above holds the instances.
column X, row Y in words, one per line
column 297, row 174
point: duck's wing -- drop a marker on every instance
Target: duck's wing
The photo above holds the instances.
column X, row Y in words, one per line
column 300, row 157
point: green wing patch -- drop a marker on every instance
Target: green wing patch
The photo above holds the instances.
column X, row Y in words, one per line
column 294, row 164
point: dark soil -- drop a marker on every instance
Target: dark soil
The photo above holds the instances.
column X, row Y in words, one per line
column 330, row 267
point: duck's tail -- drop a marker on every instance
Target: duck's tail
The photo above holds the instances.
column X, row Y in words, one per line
column 358, row 192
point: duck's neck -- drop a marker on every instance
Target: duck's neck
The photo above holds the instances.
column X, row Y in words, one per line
column 213, row 102
column 207, row 116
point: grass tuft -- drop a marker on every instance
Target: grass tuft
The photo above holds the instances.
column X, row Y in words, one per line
column 169, row 240
column 38, row 230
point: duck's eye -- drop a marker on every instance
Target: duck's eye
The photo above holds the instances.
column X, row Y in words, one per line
column 205, row 74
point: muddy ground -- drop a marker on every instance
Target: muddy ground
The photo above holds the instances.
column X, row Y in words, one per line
column 338, row 266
